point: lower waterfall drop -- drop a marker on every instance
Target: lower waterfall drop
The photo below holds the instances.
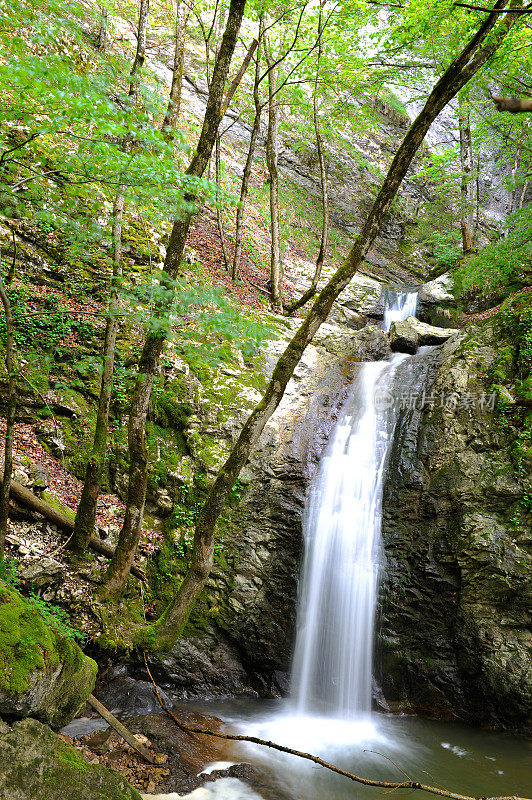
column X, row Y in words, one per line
column 332, row 671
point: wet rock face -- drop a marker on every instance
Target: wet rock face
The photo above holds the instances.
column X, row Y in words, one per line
column 455, row 637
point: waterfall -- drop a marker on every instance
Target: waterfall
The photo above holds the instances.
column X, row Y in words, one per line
column 398, row 306
column 332, row 670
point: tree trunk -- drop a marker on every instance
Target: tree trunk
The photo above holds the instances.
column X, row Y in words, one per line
column 140, row 53
column 272, row 145
column 155, row 339
column 311, row 291
column 219, row 210
column 174, row 102
column 86, row 511
column 248, row 166
column 10, row 417
column 163, row 634
column 101, row 42
column 466, row 183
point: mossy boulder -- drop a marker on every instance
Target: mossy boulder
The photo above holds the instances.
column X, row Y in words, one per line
column 35, row 762
column 43, row 674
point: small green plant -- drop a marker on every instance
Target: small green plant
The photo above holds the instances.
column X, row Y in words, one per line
column 55, row 616
column 9, row 572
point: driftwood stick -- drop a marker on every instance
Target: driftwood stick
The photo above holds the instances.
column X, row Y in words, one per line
column 120, row 729
column 23, row 495
column 408, row 784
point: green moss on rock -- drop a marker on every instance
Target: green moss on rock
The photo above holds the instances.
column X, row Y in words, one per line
column 34, row 762
column 42, row 672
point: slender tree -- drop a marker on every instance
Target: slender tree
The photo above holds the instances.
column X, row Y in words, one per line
column 483, row 44
column 11, row 410
column 311, row 291
column 174, row 101
column 155, row 339
column 272, row 148
column 101, row 41
column 467, row 186
column 86, row 511
column 246, row 175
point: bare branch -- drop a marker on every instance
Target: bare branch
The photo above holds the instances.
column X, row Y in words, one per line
column 527, row 10
column 512, row 104
column 407, row 784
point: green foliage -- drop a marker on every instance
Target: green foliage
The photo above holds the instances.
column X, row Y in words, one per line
column 504, row 265
column 9, row 572
column 42, row 322
column 55, row 616
column 445, row 248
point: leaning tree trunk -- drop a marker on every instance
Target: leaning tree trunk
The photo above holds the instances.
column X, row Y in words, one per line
column 155, row 339
column 466, row 183
column 311, row 291
column 272, row 145
column 10, row 417
column 174, row 101
column 163, row 634
column 86, row 511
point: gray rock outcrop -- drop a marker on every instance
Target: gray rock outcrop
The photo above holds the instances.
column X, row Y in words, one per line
column 406, row 336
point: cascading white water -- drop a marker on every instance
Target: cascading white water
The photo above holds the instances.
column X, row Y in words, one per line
column 333, row 657
column 398, row 306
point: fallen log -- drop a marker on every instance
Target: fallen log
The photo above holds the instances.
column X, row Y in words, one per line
column 120, row 729
column 23, row 495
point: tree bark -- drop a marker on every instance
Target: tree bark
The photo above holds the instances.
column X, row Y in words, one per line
column 248, row 166
column 466, row 182
column 174, row 102
column 155, row 339
column 311, row 291
column 272, row 146
column 219, row 210
column 140, row 53
column 512, row 104
column 163, row 634
column 101, row 42
column 86, row 511
column 10, row 416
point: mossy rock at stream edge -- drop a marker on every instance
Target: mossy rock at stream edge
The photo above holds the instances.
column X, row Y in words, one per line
column 43, row 673
column 35, row 762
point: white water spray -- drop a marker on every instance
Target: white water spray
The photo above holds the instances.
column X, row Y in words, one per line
column 399, row 306
column 332, row 671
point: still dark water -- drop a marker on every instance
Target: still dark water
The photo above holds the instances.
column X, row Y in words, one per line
column 449, row 755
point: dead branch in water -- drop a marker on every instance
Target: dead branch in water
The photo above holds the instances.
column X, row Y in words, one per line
column 408, row 784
